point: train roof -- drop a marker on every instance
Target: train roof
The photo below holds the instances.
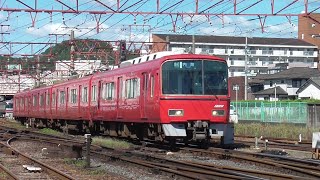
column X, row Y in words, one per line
column 161, row 56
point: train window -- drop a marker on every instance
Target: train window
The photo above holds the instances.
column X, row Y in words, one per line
column 73, row 95
column 197, row 77
column 84, row 94
column 152, row 86
column 139, row 60
column 108, row 91
column 47, row 98
column 132, row 88
column 147, row 58
column 62, row 97
column 94, row 93
column 154, row 57
column 53, row 99
column 41, row 102
column 34, row 100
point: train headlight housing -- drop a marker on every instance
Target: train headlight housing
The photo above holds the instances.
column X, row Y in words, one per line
column 218, row 112
column 175, row 112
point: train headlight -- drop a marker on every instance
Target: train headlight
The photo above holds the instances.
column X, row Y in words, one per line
column 175, row 112
column 218, row 112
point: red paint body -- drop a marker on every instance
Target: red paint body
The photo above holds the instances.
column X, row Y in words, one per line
column 143, row 109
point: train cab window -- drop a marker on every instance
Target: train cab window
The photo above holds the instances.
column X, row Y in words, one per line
column 62, row 97
column 108, row 91
column 132, row 88
column 152, row 86
column 34, row 100
column 94, row 93
column 73, row 96
column 53, row 99
column 196, row 77
column 84, row 94
column 41, row 102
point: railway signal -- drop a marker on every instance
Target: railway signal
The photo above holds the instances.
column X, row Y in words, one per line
column 123, row 49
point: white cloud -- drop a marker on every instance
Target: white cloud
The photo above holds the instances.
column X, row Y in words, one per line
column 86, row 29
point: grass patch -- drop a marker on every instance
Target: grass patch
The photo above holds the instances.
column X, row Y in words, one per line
column 274, row 130
column 15, row 124
column 3, row 175
column 50, row 132
column 81, row 164
column 110, row 143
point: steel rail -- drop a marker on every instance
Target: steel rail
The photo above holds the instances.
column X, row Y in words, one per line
column 245, row 156
column 8, row 172
column 49, row 169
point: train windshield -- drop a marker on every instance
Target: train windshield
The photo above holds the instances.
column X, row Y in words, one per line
column 195, row 77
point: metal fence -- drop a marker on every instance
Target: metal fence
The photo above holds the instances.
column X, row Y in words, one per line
column 272, row 112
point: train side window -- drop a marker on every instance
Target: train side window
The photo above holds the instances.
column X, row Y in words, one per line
column 41, row 102
column 53, row 99
column 139, row 60
column 152, row 86
column 154, row 57
column 147, row 58
column 62, row 97
column 108, row 91
column 47, row 98
column 94, row 93
column 84, row 94
column 73, row 96
column 34, row 100
column 132, row 88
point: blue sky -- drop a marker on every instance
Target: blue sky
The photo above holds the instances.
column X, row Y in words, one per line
column 117, row 26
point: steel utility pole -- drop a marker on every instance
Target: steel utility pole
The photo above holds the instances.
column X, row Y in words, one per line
column 246, row 70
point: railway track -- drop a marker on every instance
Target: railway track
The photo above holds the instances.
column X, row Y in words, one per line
column 192, row 170
column 302, row 168
column 17, row 161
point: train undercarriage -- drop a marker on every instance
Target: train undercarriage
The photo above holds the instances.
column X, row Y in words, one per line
column 200, row 132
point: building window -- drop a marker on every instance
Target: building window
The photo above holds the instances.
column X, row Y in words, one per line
column 296, row 83
column 132, row 88
column 108, row 91
column 73, row 96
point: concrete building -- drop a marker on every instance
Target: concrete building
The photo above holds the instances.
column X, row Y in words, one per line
column 264, row 55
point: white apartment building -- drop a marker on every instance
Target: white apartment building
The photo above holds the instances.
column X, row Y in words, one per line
column 263, row 54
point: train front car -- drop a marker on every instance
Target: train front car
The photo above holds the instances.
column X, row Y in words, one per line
column 194, row 103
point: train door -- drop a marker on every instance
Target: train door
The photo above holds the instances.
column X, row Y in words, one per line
column 119, row 97
column 143, row 95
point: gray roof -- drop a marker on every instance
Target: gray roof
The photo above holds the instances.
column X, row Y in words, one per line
column 313, row 80
column 234, row 40
column 271, row 91
column 293, row 73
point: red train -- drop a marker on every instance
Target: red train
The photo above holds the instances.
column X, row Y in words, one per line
column 159, row 96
